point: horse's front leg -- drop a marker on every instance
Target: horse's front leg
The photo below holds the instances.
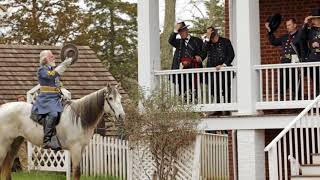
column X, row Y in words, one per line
column 75, row 158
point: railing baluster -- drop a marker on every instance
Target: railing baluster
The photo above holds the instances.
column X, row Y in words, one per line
column 267, row 85
column 307, row 120
column 278, row 80
column 314, row 82
column 203, row 88
column 198, row 88
column 302, row 83
column 290, row 143
column 220, row 87
column 182, row 87
column 284, row 83
column 285, row 157
column 318, row 126
column 188, row 88
column 177, row 84
column 232, row 81
column 226, row 88
column 313, row 125
column 301, row 142
column 308, row 86
column 280, row 158
column 261, row 87
column 296, row 83
column 290, row 84
column 171, row 86
column 296, row 143
column 160, row 81
column 209, row 87
column 193, row 88
column 272, row 84
column 215, row 86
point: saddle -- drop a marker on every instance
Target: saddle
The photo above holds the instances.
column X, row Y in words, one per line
column 39, row 118
column 65, row 100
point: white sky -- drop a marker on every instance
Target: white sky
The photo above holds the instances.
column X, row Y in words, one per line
column 184, row 10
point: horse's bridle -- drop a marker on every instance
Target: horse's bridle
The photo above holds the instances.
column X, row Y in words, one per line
column 106, row 95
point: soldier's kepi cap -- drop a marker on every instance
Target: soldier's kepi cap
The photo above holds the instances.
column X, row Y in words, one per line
column 316, row 13
column 183, row 26
column 274, row 22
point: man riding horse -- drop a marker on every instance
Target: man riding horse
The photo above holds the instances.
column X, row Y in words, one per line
column 47, row 107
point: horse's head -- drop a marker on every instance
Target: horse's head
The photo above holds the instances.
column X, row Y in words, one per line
column 112, row 102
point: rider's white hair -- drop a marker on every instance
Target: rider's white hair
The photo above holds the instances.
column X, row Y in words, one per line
column 43, row 55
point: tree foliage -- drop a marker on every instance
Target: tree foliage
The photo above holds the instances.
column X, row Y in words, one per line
column 213, row 16
column 111, row 30
column 165, row 126
column 40, row 22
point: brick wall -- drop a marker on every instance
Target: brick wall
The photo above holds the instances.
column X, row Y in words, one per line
column 230, row 152
column 297, row 9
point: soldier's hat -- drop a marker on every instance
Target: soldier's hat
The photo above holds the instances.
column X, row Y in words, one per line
column 183, row 26
column 274, row 22
column 69, row 50
column 316, row 13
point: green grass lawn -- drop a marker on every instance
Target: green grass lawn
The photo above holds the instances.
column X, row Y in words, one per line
column 42, row 175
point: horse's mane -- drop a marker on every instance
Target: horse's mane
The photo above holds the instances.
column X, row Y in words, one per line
column 88, row 109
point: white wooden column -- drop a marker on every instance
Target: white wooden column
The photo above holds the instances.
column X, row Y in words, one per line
column 251, row 155
column 246, row 36
column 148, row 42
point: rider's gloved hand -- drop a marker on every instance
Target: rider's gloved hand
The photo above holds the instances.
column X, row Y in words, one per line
column 61, row 68
column 67, row 61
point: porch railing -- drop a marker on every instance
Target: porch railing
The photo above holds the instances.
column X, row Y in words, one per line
column 283, row 85
column 280, row 86
column 299, row 139
column 208, row 89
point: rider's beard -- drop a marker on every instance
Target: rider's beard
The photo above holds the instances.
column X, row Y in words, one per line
column 52, row 63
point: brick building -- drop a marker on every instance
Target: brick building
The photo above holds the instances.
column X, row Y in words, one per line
column 298, row 9
column 259, row 111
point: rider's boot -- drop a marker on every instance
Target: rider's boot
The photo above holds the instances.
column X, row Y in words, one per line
column 50, row 139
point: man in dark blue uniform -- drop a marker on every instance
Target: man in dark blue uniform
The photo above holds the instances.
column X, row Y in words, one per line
column 291, row 52
column 220, row 54
column 310, row 33
column 47, row 106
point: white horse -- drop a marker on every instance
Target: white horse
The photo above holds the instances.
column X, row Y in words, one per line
column 76, row 126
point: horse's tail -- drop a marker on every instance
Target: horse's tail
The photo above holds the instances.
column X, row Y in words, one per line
column 8, row 161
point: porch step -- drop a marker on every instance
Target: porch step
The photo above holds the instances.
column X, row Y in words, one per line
column 310, row 169
column 315, row 158
column 305, row 177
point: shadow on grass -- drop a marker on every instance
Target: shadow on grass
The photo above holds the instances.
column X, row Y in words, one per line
column 42, row 175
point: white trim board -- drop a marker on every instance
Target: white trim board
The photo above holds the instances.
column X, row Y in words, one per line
column 246, row 122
